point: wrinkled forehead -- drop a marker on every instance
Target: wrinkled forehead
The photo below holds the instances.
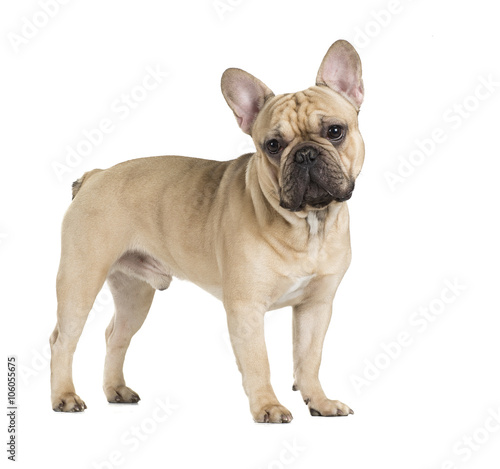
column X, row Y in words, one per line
column 305, row 112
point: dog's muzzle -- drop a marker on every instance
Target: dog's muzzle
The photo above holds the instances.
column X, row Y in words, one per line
column 313, row 177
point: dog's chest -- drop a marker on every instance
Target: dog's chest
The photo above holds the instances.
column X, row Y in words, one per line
column 309, row 265
column 313, row 223
column 296, row 290
column 306, row 268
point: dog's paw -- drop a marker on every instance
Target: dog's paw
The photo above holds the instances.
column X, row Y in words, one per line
column 68, row 402
column 121, row 395
column 272, row 413
column 328, row 408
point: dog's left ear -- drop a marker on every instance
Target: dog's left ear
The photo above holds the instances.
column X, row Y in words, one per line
column 245, row 95
column 341, row 71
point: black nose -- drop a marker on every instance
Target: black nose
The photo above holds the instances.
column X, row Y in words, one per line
column 306, row 155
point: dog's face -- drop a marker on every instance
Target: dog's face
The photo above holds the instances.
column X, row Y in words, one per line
column 309, row 142
column 312, row 145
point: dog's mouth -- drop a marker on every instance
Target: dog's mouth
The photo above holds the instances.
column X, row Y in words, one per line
column 315, row 197
column 318, row 196
column 313, row 179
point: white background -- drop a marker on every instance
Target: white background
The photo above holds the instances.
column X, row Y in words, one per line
column 438, row 225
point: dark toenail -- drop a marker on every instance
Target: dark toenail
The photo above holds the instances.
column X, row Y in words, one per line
column 314, row 413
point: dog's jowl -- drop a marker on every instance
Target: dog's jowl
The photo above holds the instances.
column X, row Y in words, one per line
column 263, row 231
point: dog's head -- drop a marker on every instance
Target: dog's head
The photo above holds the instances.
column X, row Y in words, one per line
column 309, row 141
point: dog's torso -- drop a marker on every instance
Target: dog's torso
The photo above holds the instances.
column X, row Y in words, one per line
column 208, row 222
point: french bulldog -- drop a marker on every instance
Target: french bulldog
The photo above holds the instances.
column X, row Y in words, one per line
column 260, row 232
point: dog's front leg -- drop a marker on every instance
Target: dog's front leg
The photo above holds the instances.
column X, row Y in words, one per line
column 246, row 329
column 310, row 323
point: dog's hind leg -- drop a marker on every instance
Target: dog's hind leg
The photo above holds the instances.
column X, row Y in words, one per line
column 78, row 283
column 133, row 298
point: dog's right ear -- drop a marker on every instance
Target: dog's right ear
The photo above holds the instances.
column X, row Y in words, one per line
column 245, row 95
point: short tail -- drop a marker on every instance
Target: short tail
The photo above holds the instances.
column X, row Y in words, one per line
column 79, row 182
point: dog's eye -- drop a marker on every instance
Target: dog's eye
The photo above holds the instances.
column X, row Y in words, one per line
column 273, row 146
column 335, row 133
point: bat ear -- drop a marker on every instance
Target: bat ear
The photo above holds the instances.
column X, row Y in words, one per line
column 245, row 95
column 341, row 71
